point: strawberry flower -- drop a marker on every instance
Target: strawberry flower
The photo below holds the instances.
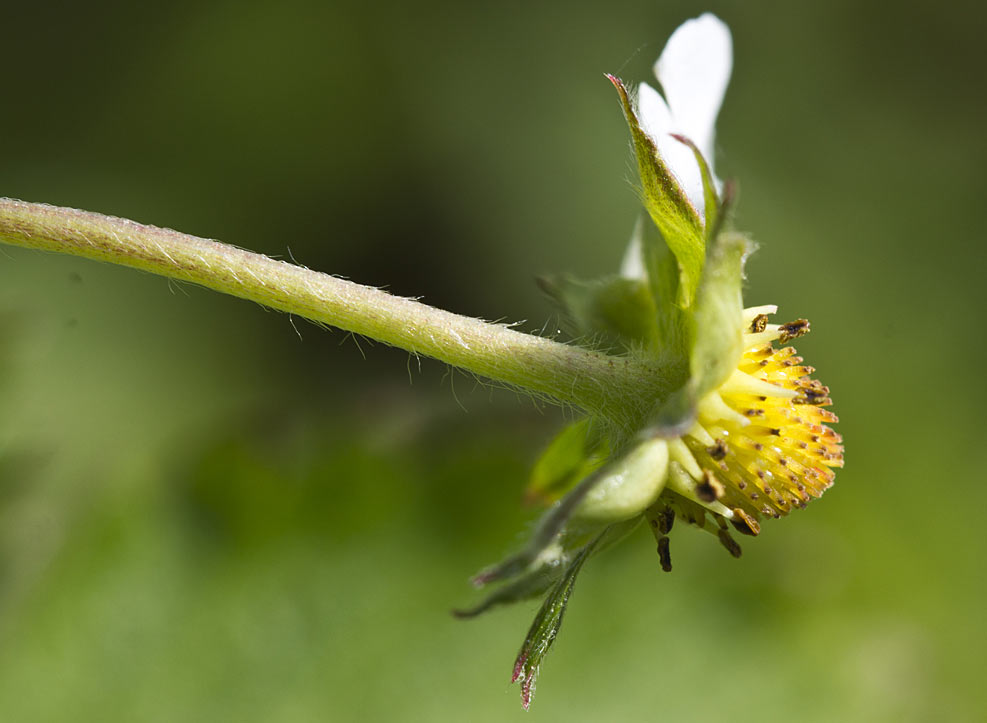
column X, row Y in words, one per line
column 694, row 71
column 738, row 431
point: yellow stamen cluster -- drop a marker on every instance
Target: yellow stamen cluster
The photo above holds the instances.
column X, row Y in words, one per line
column 760, row 447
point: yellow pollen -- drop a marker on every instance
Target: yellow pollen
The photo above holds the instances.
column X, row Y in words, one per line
column 772, row 450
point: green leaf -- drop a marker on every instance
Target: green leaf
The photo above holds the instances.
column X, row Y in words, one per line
column 613, row 313
column 666, row 202
column 578, row 450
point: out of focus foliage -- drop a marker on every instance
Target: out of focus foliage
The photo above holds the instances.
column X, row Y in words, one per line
column 204, row 517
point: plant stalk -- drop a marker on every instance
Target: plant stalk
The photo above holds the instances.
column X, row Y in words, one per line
column 619, row 388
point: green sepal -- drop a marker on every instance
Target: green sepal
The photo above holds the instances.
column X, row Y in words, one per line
column 710, row 200
column 617, row 491
column 544, row 535
column 666, row 202
column 671, row 320
column 543, row 631
column 541, row 577
column 718, row 315
column 714, row 324
column 626, row 487
column 576, row 452
column 611, row 314
column 675, row 415
column 529, row 585
column 548, row 621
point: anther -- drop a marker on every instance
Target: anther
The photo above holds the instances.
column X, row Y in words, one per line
column 710, row 489
column 794, row 329
column 759, row 324
column 728, row 542
column 665, row 520
column 744, row 523
column 718, row 451
column 664, row 556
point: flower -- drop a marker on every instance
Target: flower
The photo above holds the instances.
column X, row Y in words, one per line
column 693, row 70
column 739, row 432
column 760, row 445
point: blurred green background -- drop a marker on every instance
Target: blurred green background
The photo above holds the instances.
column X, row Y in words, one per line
column 207, row 516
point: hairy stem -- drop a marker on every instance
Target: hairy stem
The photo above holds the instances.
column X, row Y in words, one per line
column 616, row 387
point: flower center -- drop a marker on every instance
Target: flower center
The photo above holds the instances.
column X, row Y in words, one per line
column 760, row 447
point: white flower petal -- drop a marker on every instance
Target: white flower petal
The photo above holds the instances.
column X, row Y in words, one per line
column 658, row 122
column 681, row 161
column 694, row 69
column 632, row 266
column 653, row 113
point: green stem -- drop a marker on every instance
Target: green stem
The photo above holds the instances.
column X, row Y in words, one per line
column 617, row 387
